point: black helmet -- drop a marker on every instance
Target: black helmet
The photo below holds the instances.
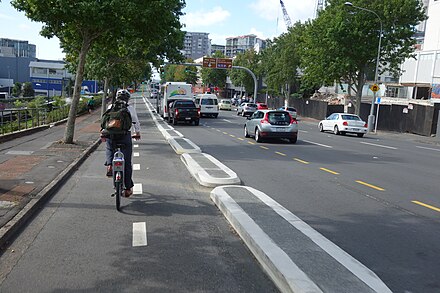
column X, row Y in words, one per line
column 123, row 95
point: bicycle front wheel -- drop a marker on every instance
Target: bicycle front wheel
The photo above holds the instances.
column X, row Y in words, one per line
column 118, row 194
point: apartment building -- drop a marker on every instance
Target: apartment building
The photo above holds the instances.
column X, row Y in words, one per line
column 196, row 45
column 240, row 44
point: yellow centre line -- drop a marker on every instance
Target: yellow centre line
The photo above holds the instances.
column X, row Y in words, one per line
column 240, row 138
column 250, row 142
column 231, row 135
column 218, row 130
column 426, row 205
column 370, row 185
column 225, row 132
column 301, row 161
column 329, row 171
column 281, row 154
column 263, row 147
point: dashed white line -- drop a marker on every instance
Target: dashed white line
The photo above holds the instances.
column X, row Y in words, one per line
column 136, row 167
column 226, row 120
column 139, row 234
column 137, row 188
column 425, row 148
column 379, row 145
column 323, row 145
column 135, row 154
column 135, row 145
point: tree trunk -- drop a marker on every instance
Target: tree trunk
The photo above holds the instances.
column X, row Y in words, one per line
column 70, row 127
column 104, row 96
column 359, row 87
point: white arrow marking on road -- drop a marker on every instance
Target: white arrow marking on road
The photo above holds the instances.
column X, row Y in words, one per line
column 136, row 167
column 379, row 145
column 139, row 234
column 323, row 145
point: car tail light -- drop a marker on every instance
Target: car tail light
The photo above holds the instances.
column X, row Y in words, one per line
column 366, row 125
column 176, row 112
column 292, row 120
column 198, row 112
column 265, row 119
column 345, row 123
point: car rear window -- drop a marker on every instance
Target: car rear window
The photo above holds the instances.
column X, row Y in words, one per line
column 291, row 109
column 185, row 104
column 226, row 102
column 350, row 117
column 251, row 105
column 209, row 102
column 274, row 117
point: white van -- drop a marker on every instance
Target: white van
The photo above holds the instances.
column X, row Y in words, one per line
column 208, row 104
column 172, row 91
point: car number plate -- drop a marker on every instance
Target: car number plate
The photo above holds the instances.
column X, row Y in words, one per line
column 279, row 129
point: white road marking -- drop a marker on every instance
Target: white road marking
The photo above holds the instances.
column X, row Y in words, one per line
column 226, row 120
column 379, row 145
column 136, row 167
column 135, row 145
column 425, row 148
column 323, row 145
column 139, row 234
column 135, row 154
column 137, row 188
column 305, row 131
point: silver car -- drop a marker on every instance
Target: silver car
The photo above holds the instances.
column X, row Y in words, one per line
column 271, row 124
column 342, row 123
column 246, row 109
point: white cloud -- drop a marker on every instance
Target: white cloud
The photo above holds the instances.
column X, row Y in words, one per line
column 257, row 33
column 218, row 39
column 298, row 10
column 4, row 16
column 203, row 18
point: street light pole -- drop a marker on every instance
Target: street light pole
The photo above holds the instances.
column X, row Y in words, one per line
column 376, row 74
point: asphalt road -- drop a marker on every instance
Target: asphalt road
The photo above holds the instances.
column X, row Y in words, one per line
column 169, row 237
column 376, row 197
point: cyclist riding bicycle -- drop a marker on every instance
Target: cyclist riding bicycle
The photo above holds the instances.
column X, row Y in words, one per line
column 125, row 139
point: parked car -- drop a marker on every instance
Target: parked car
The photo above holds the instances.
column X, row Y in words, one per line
column 225, row 105
column 246, row 109
column 271, row 124
column 342, row 123
column 261, row 106
column 291, row 110
column 208, row 104
column 184, row 110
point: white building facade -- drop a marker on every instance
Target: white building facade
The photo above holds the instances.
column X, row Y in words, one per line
column 422, row 74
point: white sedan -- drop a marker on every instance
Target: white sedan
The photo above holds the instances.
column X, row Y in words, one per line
column 342, row 123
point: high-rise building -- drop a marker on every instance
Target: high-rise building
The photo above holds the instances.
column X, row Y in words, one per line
column 196, row 45
column 217, row 48
column 17, row 48
column 240, row 44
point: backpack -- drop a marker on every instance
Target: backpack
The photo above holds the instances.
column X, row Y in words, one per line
column 117, row 120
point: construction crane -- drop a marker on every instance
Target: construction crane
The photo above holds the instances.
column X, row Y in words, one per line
column 285, row 15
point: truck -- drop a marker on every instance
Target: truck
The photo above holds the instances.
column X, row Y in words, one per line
column 171, row 91
column 185, row 111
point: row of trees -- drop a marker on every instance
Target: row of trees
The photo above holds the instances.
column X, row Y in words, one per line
column 113, row 41
column 340, row 45
column 116, row 41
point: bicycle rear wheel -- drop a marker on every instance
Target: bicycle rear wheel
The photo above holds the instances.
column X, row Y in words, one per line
column 118, row 194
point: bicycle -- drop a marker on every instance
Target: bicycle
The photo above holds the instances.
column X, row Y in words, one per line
column 118, row 165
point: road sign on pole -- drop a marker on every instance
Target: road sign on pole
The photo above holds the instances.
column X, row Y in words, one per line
column 224, row 63
column 374, row 88
column 209, row 62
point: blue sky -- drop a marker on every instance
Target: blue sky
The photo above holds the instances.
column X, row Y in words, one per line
column 219, row 18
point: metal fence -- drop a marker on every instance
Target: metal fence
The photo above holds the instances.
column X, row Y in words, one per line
column 20, row 119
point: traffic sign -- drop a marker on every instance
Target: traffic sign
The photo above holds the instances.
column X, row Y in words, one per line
column 224, row 63
column 374, row 87
column 209, row 62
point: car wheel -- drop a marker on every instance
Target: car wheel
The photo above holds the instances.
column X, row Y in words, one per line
column 293, row 139
column 238, row 113
column 336, row 130
column 196, row 122
column 258, row 136
column 246, row 134
column 321, row 128
column 360, row 135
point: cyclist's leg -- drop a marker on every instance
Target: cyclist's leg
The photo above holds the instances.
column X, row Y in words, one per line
column 128, row 151
column 108, row 152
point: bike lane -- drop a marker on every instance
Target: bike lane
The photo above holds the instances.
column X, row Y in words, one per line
column 80, row 242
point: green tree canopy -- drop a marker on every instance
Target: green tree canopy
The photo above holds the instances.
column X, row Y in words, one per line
column 80, row 23
column 251, row 60
column 341, row 44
